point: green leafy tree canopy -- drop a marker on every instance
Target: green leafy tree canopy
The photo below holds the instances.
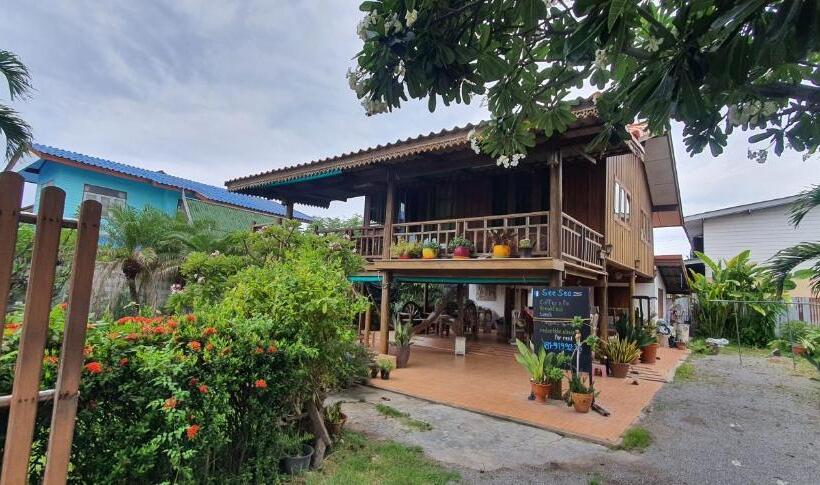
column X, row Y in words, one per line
column 714, row 65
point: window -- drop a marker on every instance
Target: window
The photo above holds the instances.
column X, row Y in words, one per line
column 646, row 227
column 621, row 203
column 107, row 197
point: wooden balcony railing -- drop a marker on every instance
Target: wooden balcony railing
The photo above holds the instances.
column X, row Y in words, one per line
column 530, row 225
column 369, row 240
column 580, row 244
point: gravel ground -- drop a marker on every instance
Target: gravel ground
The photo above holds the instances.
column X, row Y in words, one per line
column 755, row 424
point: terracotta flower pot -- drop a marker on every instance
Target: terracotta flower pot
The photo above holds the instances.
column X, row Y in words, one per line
column 404, row 256
column 581, row 402
column 402, row 355
column 649, row 353
column 336, row 428
column 619, row 369
column 540, row 391
column 461, row 252
column 429, row 253
column 798, row 349
column 501, row 251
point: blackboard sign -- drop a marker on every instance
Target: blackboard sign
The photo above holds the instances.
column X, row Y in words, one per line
column 564, row 302
column 553, row 309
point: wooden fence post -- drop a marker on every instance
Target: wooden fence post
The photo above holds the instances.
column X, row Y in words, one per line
column 11, row 196
column 71, row 354
column 23, row 410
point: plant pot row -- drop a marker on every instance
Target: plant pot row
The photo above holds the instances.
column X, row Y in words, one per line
column 461, row 252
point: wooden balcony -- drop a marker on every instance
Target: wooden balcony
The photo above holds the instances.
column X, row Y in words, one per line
column 580, row 245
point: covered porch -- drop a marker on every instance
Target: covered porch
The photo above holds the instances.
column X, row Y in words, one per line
column 489, row 381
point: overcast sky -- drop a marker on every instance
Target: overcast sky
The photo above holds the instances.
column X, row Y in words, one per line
column 217, row 90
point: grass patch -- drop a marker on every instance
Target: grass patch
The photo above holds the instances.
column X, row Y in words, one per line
column 685, row 372
column 403, row 417
column 358, row 459
column 636, row 438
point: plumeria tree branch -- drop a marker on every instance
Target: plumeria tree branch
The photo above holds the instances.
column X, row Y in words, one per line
column 715, row 66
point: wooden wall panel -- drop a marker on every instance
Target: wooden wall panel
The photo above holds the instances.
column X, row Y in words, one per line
column 629, row 250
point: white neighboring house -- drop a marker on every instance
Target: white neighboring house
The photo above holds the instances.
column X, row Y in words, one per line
column 761, row 227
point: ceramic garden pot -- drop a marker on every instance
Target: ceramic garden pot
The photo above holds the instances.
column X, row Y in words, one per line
column 429, row 253
column 461, row 252
column 557, row 389
column 619, row 370
column 525, row 252
column 798, row 349
column 649, row 353
column 540, row 391
column 402, row 355
column 501, row 251
column 581, row 402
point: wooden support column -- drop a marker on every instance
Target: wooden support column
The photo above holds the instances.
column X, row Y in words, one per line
column 384, row 328
column 459, row 330
column 556, row 212
column 426, row 297
column 631, row 294
column 603, row 307
column 368, row 320
column 288, row 209
column 389, row 212
column 368, row 201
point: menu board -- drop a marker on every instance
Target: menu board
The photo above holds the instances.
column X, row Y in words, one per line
column 556, row 333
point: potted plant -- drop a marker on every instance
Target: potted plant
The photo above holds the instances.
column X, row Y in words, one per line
column 648, row 344
column 533, row 362
column 385, row 366
column 335, row 419
column 297, row 451
column 461, row 247
column 579, row 394
column 401, row 342
column 525, row 248
column 501, row 242
column 556, row 362
column 405, row 250
column 619, row 353
column 374, row 370
column 429, row 249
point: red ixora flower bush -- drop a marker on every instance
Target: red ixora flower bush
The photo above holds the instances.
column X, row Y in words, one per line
column 195, row 346
column 94, row 367
column 191, row 431
column 260, row 384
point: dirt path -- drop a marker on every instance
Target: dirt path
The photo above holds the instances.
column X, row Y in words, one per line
column 726, row 424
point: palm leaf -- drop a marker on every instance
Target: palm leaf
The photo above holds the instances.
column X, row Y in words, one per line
column 16, row 74
column 807, row 200
column 17, row 132
column 781, row 265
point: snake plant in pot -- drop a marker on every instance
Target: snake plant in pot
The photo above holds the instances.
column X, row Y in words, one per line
column 402, row 337
column 619, row 353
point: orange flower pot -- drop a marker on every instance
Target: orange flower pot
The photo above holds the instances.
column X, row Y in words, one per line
column 649, row 353
column 501, row 251
column 540, row 391
column 429, row 253
column 581, row 402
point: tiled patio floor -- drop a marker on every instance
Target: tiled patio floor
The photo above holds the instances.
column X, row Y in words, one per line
column 488, row 380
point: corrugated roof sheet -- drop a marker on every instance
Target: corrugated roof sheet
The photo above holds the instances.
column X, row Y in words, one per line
column 227, row 219
column 210, row 192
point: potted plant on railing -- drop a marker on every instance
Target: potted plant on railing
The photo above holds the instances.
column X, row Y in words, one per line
column 400, row 347
column 462, row 247
column 580, row 395
column 619, row 353
column 430, row 249
column 405, row 250
column 525, row 248
column 501, row 242
column 533, row 362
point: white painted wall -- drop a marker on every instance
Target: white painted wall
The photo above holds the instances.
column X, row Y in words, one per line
column 496, row 305
column 651, row 290
column 764, row 232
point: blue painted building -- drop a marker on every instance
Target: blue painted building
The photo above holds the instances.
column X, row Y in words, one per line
column 112, row 183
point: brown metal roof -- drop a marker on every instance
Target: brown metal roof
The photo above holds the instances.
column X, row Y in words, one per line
column 444, row 139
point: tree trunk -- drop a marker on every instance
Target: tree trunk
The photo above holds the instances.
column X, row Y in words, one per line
column 132, row 290
column 320, row 432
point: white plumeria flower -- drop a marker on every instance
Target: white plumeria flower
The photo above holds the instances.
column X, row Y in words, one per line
column 600, row 59
column 411, row 16
column 654, row 44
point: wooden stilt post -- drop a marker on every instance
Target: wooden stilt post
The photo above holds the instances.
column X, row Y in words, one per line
column 288, row 210
column 384, row 328
column 603, row 309
column 24, row 393
column 11, row 196
column 368, row 319
column 71, row 354
column 631, row 294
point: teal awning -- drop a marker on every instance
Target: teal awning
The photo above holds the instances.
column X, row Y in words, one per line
column 473, row 280
column 305, row 178
column 365, row 278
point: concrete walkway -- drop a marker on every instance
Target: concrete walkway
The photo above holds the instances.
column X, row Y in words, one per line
column 729, row 424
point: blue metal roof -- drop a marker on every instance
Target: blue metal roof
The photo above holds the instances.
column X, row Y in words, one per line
column 209, row 192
